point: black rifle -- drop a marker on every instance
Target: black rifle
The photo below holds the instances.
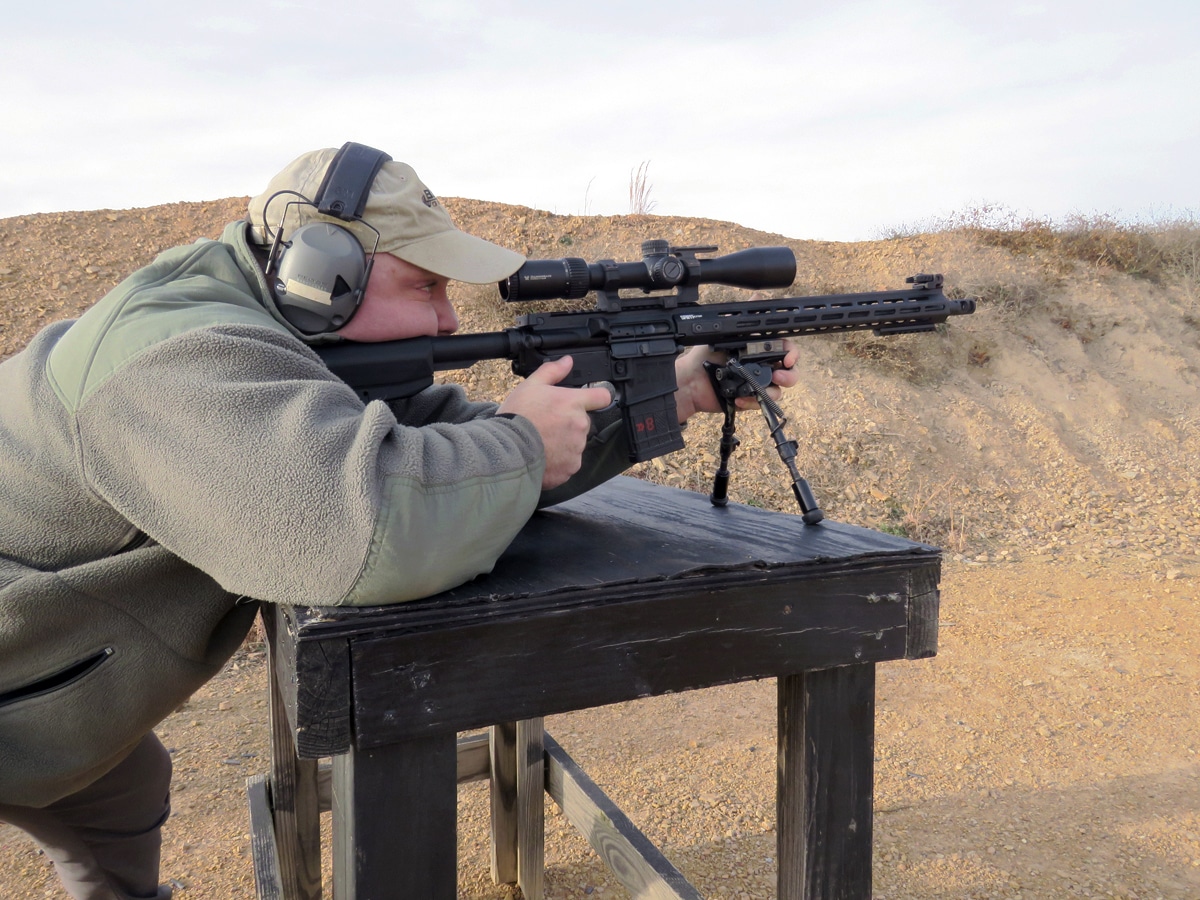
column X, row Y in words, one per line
column 629, row 341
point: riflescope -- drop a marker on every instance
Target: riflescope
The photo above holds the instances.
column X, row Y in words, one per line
column 662, row 267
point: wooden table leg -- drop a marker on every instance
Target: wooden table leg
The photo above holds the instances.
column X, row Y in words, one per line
column 531, row 807
column 294, row 803
column 395, row 814
column 825, row 784
column 502, row 747
column 518, row 786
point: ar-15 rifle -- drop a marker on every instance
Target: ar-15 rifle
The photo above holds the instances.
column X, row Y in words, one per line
column 629, row 341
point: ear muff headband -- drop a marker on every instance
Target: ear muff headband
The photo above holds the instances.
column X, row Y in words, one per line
column 322, row 272
column 347, row 184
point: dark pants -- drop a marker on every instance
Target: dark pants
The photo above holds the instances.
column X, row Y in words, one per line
column 105, row 840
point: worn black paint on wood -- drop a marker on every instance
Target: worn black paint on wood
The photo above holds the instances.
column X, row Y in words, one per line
column 294, row 795
column 395, row 821
column 625, row 532
column 314, row 683
column 925, row 602
column 502, row 747
column 531, row 807
column 268, row 880
column 473, row 765
column 629, row 590
column 574, row 658
column 825, row 783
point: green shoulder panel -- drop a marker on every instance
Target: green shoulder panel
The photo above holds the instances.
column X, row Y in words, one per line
column 190, row 287
column 410, row 556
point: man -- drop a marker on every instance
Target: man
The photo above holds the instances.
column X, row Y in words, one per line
column 179, row 453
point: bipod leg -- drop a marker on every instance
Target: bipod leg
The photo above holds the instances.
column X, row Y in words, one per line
column 729, row 443
column 810, row 510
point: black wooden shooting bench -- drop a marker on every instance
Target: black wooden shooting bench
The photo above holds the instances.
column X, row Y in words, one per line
column 629, row 591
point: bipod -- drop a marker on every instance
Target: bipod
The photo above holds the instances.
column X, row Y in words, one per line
column 731, row 380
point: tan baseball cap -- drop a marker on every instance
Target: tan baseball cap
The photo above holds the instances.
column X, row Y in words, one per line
column 412, row 224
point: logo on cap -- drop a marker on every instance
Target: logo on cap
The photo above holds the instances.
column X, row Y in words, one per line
column 428, row 198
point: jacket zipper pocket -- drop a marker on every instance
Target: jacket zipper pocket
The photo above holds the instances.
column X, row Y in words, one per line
column 61, row 679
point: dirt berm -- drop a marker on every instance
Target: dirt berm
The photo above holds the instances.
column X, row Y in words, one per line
column 1049, row 444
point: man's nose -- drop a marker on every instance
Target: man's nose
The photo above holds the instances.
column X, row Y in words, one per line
column 447, row 318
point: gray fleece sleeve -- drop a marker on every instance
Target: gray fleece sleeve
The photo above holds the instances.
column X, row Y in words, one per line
column 236, row 449
column 606, row 454
column 441, row 403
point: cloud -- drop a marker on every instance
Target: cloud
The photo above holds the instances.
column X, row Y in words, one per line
column 813, row 124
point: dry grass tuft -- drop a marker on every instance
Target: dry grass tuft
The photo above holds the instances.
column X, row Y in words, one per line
column 640, row 203
column 1163, row 249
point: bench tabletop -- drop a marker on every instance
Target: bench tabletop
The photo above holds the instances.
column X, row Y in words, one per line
column 626, row 534
column 631, row 590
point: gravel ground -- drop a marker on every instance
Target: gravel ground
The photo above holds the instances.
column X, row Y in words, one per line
column 1048, row 751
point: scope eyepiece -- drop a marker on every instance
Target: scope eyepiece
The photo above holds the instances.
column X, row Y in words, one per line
column 548, row 279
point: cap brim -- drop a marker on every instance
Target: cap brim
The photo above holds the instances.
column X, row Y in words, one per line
column 460, row 257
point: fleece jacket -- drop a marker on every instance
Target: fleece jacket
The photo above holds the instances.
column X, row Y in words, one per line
column 179, row 454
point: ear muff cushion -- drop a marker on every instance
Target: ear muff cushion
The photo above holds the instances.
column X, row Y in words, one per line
column 319, row 280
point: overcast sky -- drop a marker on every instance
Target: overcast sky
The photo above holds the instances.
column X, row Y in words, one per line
column 837, row 121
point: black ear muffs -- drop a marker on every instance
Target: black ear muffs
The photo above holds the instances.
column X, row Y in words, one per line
column 319, row 275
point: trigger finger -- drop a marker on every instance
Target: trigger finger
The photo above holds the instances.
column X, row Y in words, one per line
column 610, row 398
